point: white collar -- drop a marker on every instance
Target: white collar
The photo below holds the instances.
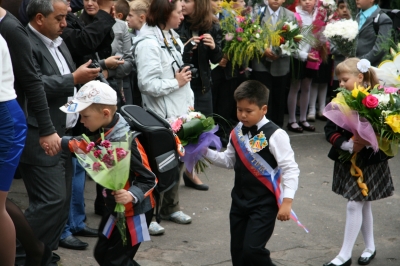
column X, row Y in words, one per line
column 262, row 122
column 271, row 12
column 48, row 42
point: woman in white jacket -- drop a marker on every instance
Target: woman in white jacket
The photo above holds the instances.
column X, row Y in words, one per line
column 165, row 88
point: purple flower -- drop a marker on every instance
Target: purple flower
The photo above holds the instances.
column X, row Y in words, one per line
column 90, row 146
column 106, row 144
column 97, row 153
column 108, row 160
column 96, row 166
column 121, row 153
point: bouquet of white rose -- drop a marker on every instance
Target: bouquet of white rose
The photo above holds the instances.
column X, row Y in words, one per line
column 343, row 35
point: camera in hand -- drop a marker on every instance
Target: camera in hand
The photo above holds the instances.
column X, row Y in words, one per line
column 192, row 69
column 100, row 76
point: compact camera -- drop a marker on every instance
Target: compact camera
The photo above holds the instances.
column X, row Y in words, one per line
column 100, row 76
column 192, row 69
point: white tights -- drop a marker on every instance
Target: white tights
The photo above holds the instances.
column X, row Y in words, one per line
column 304, row 84
column 359, row 216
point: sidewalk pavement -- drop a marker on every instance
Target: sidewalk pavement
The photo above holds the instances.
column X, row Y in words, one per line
column 206, row 240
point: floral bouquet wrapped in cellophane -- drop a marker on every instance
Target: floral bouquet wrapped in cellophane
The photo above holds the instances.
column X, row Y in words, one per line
column 108, row 164
column 342, row 34
column 196, row 133
column 373, row 115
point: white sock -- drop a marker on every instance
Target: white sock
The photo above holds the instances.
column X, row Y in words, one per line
column 313, row 98
column 292, row 100
column 353, row 225
column 367, row 229
column 304, row 99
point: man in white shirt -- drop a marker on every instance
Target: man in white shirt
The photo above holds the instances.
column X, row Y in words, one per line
column 48, row 179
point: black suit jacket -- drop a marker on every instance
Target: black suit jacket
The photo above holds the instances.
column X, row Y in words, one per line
column 58, row 88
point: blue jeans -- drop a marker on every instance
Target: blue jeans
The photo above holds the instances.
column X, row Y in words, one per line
column 77, row 210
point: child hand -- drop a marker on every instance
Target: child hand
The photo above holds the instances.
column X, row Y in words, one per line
column 122, row 196
column 268, row 53
column 285, row 209
column 359, row 143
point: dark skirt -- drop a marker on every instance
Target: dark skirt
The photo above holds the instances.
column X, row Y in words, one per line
column 377, row 177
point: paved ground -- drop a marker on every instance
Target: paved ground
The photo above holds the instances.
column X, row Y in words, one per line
column 206, row 240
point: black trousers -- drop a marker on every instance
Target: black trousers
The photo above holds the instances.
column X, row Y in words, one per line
column 277, row 95
column 111, row 252
column 252, row 223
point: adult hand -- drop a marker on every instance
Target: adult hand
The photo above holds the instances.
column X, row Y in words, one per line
column 208, row 40
column 113, row 62
column 85, row 74
column 122, row 196
column 268, row 53
column 183, row 77
column 285, row 209
column 223, row 62
column 51, row 144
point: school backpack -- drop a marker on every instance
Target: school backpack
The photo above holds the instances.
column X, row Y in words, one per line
column 158, row 140
column 394, row 15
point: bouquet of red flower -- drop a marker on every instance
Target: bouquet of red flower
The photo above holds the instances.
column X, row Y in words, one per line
column 108, row 164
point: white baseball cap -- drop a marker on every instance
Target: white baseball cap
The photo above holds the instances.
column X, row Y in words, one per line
column 92, row 92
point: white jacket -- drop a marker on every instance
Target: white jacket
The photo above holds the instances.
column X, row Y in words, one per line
column 156, row 74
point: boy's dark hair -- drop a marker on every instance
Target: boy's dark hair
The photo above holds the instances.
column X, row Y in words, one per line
column 159, row 12
column 253, row 91
column 122, row 6
column 341, row 2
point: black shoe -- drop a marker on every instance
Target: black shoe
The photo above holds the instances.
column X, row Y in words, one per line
column 298, row 129
column 55, row 258
column 72, row 242
column 189, row 183
column 99, row 209
column 45, row 259
column 310, row 128
column 88, row 232
column 347, row 263
column 366, row 260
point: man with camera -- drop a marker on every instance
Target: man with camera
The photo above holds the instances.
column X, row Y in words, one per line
column 48, row 179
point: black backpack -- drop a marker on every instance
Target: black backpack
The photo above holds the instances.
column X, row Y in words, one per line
column 394, row 15
column 157, row 138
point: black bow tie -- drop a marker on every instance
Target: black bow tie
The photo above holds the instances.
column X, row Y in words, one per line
column 252, row 130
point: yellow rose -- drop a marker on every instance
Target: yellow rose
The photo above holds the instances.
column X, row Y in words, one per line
column 394, row 122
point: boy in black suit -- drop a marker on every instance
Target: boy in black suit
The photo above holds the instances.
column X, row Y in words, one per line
column 260, row 153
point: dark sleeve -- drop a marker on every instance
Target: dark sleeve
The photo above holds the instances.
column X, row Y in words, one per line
column 28, row 83
column 385, row 27
column 144, row 179
column 23, row 17
column 216, row 54
column 83, row 40
column 55, row 86
column 334, row 135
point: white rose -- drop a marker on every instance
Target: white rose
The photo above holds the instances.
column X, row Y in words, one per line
column 382, row 98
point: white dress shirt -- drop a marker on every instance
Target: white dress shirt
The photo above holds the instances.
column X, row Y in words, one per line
column 274, row 15
column 52, row 46
column 279, row 146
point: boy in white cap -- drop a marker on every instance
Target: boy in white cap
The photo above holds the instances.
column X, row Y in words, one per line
column 96, row 102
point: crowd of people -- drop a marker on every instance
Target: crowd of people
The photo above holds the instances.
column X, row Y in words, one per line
column 90, row 57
